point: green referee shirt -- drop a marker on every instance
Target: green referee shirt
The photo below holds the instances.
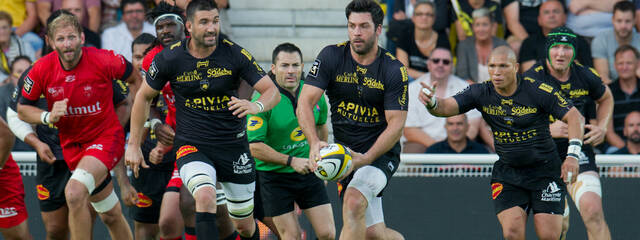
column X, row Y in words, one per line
column 278, row 128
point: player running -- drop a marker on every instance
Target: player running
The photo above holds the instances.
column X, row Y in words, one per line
column 528, row 175
column 210, row 138
column 367, row 91
column 77, row 84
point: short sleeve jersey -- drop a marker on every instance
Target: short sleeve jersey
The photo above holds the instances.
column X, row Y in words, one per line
column 167, row 93
column 520, row 126
column 49, row 133
column 278, row 128
column 89, row 88
column 358, row 94
column 417, row 59
column 582, row 89
column 203, row 89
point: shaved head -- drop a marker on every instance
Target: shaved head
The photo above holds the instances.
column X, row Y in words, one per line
column 505, row 51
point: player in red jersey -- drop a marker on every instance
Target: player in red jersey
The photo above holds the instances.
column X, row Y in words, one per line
column 76, row 82
column 13, row 212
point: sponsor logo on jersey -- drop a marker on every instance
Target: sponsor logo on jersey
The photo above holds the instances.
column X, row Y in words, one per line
column 372, row 83
column 70, row 78
column 494, row 110
column 87, row 90
column 83, row 110
column 561, row 101
column 189, row 76
column 56, row 92
column 202, row 64
column 243, row 165
column 123, row 87
column 254, row 123
column 565, row 86
column 209, row 103
column 28, row 84
column 246, row 54
column 153, row 70
column 175, row 45
column 143, row 201
column 496, row 189
column 227, row 42
column 297, row 135
column 361, row 70
column 522, row 110
column 43, row 192
column 185, row 150
column 545, row 87
column 529, row 79
column 393, row 58
column 347, row 78
column 358, row 113
column 402, row 100
column 578, row 93
column 594, row 72
column 404, row 73
column 506, row 102
column 313, row 71
column 552, row 193
column 8, row 212
column 514, row 137
column 218, row 72
column 96, row 146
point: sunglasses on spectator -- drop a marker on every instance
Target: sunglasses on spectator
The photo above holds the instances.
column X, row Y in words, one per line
column 437, row 60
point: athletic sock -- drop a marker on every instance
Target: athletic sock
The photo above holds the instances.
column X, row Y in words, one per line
column 190, row 233
column 256, row 235
column 206, row 226
column 233, row 236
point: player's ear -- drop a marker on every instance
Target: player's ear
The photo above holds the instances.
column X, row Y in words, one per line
column 379, row 30
column 187, row 25
column 517, row 66
column 81, row 38
column 273, row 68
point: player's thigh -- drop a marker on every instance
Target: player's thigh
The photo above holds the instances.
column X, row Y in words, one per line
column 287, row 224
column 170, row 220
column 548, row 226
column 151, row 185
column 95, row 167
column 277, row 193
column 321, row 218
column 145, row 231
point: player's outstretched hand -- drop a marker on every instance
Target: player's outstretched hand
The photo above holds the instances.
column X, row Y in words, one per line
column 301, row 165
column 570, row 169
column 58, row 109
column 559, row 129
column 242, row 107
column 165, row 134
column 133, row 159
column 427, row 94
column 45, row 153
column 129, row 194
column 314, row 154
column 595, row 136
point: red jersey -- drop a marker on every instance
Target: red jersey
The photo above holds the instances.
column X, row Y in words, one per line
column 88, row 86
column 12, row 208
column 167, row 93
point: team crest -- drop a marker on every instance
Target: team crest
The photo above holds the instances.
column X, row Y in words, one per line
column 143, row 201
column 204, row 85
column 314, row 68
column 496, row 189
column 43, row 192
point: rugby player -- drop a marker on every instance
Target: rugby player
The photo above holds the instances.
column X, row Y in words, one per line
column 77, row 84
column 529, row 175
column 210, row 134
column 582, row 86
column 367, row 90
column 281, row 150
column 13, row 212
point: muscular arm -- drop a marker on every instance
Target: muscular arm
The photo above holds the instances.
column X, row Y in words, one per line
column 140, row 113
column 604, row 111
column 265, row 153
column 403, row 57
column 575, row 122
column 602, row 66
column 6, row 142
column 447, row 107
column 323, row 132
column 387, row 139
column 269, row 94
column 29, row 114
column 512, row 17
column 30, row 21
column 309, row 96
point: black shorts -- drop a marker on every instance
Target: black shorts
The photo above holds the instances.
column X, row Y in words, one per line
column 279, row 191
column 546, row 200
column 150, row 184
column 233, row 163
column 388, row 163
column 587, row 161
column 50, row 183
column 258, row 207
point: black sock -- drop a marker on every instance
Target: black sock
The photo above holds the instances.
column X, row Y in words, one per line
column 206, row 226
column 256, row 235
column 233, row 236
column 190, row 231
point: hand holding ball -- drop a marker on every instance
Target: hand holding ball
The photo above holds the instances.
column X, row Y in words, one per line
column 334, row 162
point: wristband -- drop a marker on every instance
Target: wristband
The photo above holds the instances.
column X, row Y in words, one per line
column 260, row 106
column 574, row 149
column 289, row 159
column 44, row 118
column 151, row 123
column 433, row 100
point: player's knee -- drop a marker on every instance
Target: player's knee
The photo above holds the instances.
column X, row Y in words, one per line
column 591, row 212
column 326, row 234
column 291, row 232
column 511, row 232
column 57, row 230
column 205, row 197
column 112, row 216
column 354, row 202
column 375, row 233
column 170, row 226
column 246, row 227
column 76, row 194
column 548, row 234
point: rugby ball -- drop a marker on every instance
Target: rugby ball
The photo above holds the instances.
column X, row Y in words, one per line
column 334, row 162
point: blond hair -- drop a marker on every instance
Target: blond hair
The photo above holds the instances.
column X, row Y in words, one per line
column 64, row 20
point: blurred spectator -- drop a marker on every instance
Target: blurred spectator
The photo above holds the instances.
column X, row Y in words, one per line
column 626, row 93
column 225, row 23
column 552, row 15
column 473, row 53
column 422, row 129
column 605, row 44
column 457, row 140
column 520, row 17
column 590, row 17
column 24, row 20
column 18, row 66
column 11, row 46
column 632, row 133
column 464, row 18
column 90, row 10
column 416, row 44
column 401, row 23
column 119, row 38
column 403, row 9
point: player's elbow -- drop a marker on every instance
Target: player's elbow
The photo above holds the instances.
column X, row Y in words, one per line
column 574, row 116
